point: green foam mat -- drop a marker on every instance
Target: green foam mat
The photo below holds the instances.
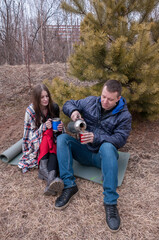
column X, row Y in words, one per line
column 14, row 153
column 94, row 174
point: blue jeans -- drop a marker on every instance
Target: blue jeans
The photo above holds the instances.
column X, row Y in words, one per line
column 68, row 148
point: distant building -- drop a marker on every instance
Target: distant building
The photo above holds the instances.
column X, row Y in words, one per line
column 69, row 33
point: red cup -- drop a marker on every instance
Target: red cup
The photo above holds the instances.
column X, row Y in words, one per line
column 81, row 137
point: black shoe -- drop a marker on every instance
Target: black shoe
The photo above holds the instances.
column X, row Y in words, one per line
column 112, row 217
column 63, row 200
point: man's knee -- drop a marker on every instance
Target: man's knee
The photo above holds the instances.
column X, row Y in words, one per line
column 62, row 138
column 109, row 156
column 108, row 147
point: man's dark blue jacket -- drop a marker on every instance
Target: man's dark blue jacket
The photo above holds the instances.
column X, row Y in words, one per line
column 113, row 127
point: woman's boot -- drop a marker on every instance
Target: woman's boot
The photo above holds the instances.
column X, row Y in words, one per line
column 43, row 171
column 54, row 184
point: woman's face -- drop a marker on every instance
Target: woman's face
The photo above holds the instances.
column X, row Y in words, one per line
column 44, row 99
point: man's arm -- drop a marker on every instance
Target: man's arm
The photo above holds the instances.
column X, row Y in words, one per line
column 70, row 106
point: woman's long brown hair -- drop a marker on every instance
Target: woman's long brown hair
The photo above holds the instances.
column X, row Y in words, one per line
column 36, row 98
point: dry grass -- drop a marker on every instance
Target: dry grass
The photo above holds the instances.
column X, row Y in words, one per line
column 27, row 214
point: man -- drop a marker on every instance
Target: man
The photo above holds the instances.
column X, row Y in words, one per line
column 108, row 126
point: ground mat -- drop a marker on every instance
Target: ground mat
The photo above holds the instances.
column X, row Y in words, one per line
column 13, row 154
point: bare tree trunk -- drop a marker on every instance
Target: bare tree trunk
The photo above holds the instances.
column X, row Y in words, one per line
column 27, row 54
column 42, row 42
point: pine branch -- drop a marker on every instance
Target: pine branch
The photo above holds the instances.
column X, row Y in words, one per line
column 78, row 9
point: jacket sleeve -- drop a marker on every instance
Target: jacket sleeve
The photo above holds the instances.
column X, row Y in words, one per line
column 120, row 134
column 73, row 105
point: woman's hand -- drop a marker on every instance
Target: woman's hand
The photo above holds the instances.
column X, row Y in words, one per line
column 49, row 123
column 60, row 127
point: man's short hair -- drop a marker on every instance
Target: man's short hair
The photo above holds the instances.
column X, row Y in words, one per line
column 113, row 86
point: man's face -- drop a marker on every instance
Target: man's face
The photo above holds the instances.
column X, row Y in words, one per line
column 109, row 99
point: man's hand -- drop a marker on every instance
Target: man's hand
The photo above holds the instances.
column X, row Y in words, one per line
column 75, row 116
column 87, row 137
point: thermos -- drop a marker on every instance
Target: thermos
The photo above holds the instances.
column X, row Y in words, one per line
column 77, row 126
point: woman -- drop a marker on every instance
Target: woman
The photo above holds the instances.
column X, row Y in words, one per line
column 39, row 143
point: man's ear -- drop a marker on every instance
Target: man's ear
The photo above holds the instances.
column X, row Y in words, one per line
column 119, row 98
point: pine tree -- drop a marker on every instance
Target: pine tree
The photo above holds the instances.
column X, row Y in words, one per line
column 118, row 41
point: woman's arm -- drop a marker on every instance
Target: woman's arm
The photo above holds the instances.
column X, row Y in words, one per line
column 31, row 133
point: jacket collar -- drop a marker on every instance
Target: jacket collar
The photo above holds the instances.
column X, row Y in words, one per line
column 120, row 106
